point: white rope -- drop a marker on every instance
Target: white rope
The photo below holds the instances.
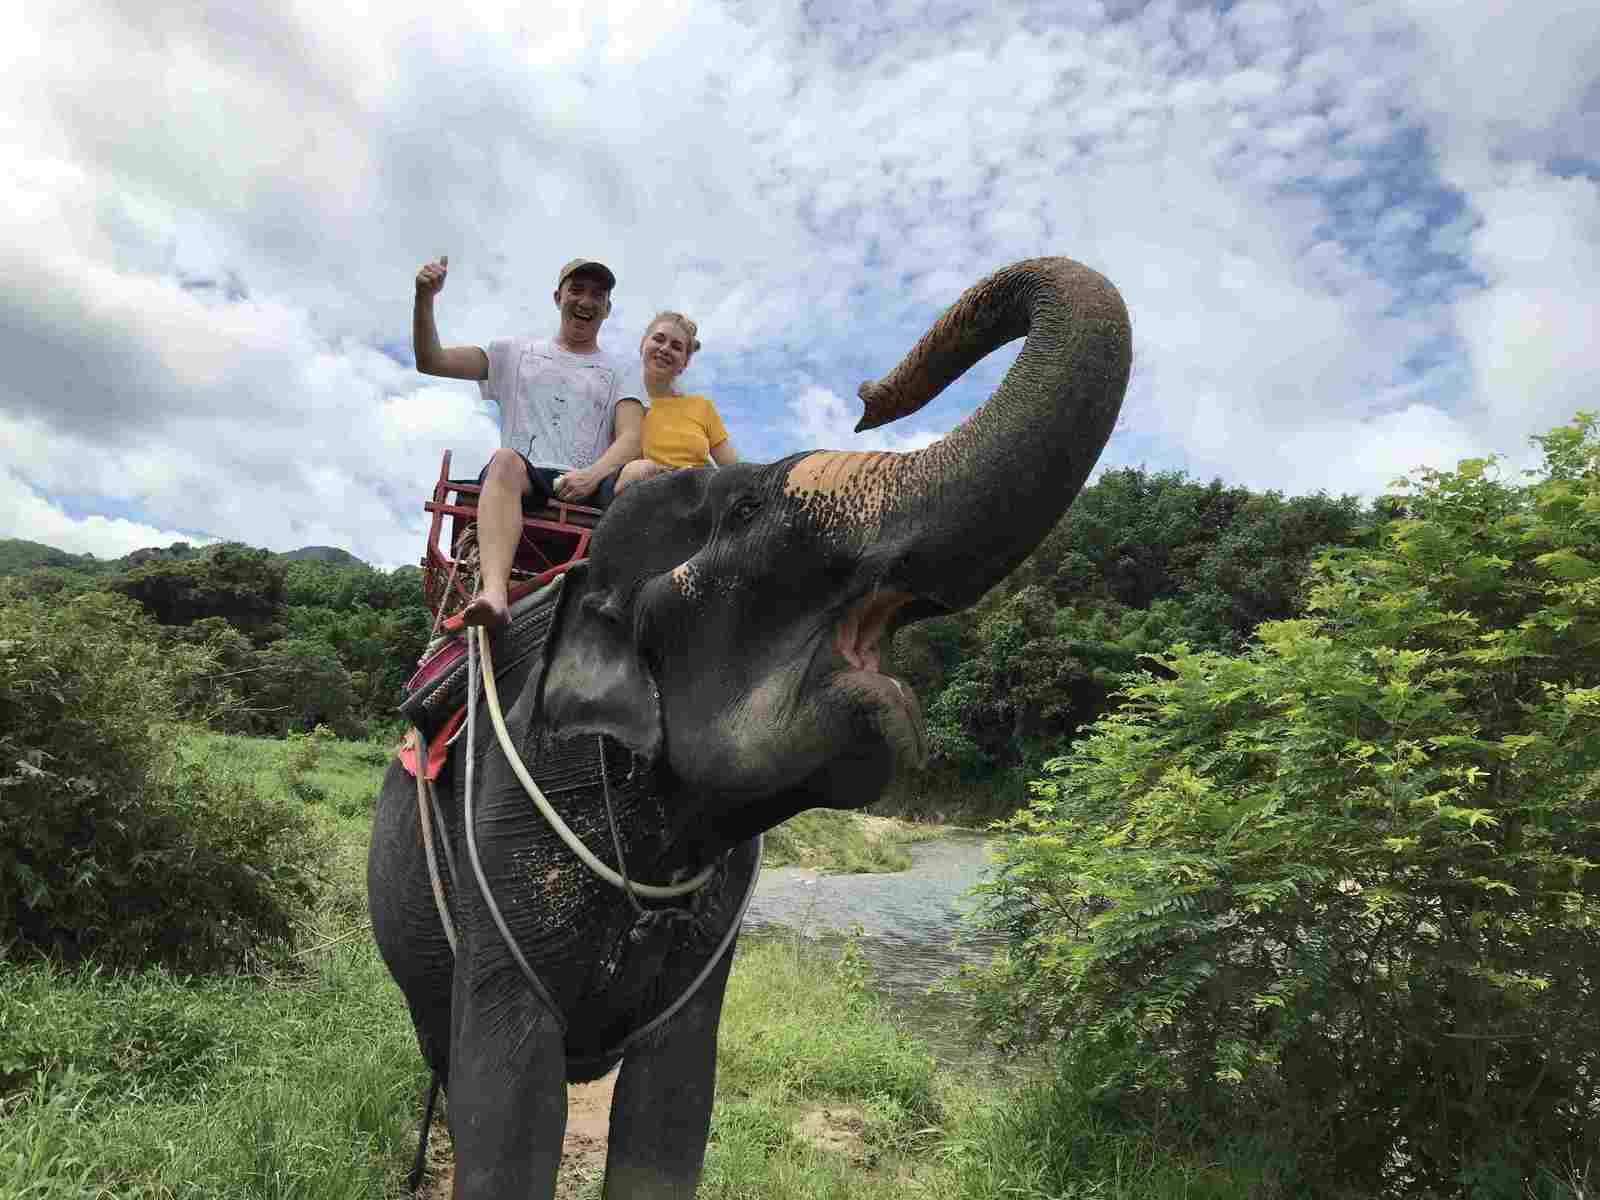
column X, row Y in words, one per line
column 652, row 891
column 469, row 819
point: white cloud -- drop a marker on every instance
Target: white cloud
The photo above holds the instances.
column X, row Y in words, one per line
column 1350, row 236
column 35, row 518
column 824, row 420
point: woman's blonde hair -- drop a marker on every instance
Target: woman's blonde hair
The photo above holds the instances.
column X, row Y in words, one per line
column 690, row 329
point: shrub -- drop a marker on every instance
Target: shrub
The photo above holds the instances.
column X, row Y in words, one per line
column 301, row 762
column 303, row 685
column 108, row 846
column 1349, row 877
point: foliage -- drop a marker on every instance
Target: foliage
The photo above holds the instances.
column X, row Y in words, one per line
column 1348, row 876
column 305, row 755
column 222, row 697
column 1070, row 1136
column 343, row 777
column 1140, row 561
column 231, row 581
column 152, row 1086
column 378, row 648
column 18, row 555
column 831, row 839
column 303, row 685
column 108, row 844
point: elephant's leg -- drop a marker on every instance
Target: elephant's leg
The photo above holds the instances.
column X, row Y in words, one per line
column 508, row 1087
column 661, row 1112
column 405, row 923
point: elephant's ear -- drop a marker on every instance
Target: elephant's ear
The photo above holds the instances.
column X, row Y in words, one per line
column 594, row 680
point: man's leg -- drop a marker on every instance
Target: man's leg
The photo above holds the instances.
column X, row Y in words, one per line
column 505, row 483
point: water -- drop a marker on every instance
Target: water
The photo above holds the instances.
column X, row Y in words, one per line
column 912, row 933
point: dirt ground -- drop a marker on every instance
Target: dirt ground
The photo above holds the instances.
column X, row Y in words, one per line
column 583, row 1151
column 835, row 1128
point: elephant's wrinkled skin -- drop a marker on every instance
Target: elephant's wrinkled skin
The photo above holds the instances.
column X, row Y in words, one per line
column 724, row 640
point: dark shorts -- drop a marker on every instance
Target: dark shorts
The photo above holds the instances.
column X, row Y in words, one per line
column 542, row 482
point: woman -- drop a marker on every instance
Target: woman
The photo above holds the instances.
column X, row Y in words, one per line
column 679, row 430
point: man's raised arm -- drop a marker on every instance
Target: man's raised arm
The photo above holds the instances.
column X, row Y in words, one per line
column 452, row 362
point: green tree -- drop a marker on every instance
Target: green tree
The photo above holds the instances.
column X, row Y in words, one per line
column 108, row 846
column 303, row 685
column 223, row 695
column 241, row 585
column 1349, row 876
column 1140, row 561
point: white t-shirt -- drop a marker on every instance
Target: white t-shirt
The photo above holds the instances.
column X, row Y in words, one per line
column 556, row 408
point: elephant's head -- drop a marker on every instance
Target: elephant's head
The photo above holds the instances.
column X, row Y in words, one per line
column 729, row 622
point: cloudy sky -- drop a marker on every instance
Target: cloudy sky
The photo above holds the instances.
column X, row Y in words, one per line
column 1354, row 238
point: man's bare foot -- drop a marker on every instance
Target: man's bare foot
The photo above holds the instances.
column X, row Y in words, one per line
column 489, row 611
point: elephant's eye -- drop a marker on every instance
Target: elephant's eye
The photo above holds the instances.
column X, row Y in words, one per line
column 745, row 508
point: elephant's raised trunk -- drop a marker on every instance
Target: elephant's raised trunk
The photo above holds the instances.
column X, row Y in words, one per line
column 949, row 521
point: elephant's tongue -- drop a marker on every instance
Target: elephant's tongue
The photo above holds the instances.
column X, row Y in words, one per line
column 858, row 635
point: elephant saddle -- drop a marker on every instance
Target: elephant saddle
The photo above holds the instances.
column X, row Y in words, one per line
column 435, row 697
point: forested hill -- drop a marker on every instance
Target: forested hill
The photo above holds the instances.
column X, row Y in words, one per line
column 1142, row 561
column 282, row 642
column 323, row 554
column 18, row 555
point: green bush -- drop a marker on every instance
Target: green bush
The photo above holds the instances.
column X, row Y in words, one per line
column 1347, row 880
column 108, row 845
column 305, row 755
column 303, row 685
column 1142, row 561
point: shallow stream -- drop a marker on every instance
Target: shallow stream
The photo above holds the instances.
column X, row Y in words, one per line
column 912, row 933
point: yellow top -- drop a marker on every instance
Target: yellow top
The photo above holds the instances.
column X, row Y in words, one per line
column 679, row 431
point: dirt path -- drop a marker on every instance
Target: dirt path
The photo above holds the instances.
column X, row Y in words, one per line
column 834, row 1128
column 583, row 1151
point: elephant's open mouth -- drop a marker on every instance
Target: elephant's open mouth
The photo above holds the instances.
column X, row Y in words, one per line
column 858, row 639
column 859, row 636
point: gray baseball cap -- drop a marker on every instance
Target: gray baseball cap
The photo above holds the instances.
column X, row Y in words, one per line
column 579, row 264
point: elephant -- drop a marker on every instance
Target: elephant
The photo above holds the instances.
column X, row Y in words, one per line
column 713, row 668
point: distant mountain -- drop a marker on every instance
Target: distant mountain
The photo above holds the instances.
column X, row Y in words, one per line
column 325, row 554
column 18, row 555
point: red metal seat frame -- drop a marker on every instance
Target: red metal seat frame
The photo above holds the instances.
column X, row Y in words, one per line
column 554, row 537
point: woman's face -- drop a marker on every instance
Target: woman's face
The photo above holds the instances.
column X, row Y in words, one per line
column 664, row 350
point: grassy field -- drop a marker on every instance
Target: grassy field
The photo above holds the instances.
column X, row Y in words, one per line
column 854, row 842
column 299, row 1077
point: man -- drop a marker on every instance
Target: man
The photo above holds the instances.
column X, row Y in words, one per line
column 569, row 414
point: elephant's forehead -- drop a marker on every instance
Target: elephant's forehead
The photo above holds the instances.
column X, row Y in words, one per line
column 845, row 487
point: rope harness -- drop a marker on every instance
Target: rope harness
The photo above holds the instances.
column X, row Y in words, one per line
column 434, row 835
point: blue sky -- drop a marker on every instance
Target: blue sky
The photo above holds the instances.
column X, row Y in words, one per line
column 1354, row 238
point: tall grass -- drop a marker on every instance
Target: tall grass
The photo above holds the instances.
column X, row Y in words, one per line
column 302, row 1079
column 805, row 1046
column 339, row 776
column 846, row 842
column 298, row 1078
column 148, row 1085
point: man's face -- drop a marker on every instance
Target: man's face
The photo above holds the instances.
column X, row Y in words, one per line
column 584, row 302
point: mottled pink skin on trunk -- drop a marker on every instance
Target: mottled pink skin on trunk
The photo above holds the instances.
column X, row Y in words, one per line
column 952, row 519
